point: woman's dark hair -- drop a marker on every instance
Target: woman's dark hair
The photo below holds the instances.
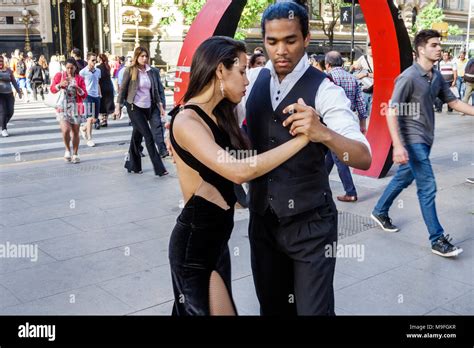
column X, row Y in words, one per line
column 73, row 62
column 212, row 52
column 105, row 61
column 253, row 58
column 287, row 10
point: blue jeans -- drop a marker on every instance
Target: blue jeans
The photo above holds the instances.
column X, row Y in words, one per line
column 368, row 102
column 418, row 168
column 344, row 173
column 461, row 86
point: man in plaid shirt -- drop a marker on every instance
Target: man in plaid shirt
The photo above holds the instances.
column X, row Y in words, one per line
column 353, row 92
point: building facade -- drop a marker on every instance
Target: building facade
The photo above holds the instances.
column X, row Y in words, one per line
column 16, row 29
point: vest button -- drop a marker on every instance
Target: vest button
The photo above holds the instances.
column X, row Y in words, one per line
column 272, row 140
column 270, row 197
column 270, row 180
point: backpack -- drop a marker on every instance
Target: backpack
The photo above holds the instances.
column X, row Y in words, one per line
column 21, row 67
column 469, row 72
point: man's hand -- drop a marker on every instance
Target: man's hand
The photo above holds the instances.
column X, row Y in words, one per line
column 303, row 119
column 400, row 155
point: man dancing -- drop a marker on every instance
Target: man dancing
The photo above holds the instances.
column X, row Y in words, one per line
column 292, row 214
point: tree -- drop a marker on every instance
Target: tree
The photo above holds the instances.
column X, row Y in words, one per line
column 334, row 14
column 190, row 9
column 432, row 14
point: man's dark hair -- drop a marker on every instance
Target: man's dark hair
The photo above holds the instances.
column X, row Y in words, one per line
column 334, row 59
column 286, row 10
column 90, row 54
column 421, row 39
column 77, row 53
column 122, row 59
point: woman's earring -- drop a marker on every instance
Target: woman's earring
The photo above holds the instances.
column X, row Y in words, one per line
column 222, row 88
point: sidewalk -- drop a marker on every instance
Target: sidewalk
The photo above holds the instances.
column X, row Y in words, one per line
column 102, row 238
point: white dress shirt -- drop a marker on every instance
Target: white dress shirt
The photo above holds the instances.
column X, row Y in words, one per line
column 330, row 102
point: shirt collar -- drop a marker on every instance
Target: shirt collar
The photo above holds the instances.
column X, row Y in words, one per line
column 422, row 71
column 147, row 68
column 302, row 65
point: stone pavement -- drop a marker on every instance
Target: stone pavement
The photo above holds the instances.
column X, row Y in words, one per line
column 102, row 238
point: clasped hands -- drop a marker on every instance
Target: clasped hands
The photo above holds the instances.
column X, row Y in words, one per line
column 304, row 120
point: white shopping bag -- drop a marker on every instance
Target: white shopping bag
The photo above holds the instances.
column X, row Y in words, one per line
column 455, row 91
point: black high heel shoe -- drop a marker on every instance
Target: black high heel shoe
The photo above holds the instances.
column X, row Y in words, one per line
column 135, row 171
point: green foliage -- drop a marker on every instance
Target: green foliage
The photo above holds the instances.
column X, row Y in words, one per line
column 433, row 14
column 454, row 30
column 429, row 14
column 141, row 2
column 190, row 8
column 251, row 16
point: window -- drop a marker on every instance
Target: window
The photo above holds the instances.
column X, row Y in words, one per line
column 9, row 20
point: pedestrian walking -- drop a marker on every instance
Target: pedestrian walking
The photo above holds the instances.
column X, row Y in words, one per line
column 91, row 76
column 107, row 105
column 7, row 99
column 70, row 108
column 140, row 92
column 411, row 122
column 37, row 78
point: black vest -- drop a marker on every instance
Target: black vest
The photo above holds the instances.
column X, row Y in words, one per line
column 301, row 183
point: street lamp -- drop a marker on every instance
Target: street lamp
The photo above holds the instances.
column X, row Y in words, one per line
column 27, row 19
column 106, row 32
column 137, row 18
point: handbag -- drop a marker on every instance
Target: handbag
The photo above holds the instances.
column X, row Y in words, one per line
column 368, row 82
column 54, row 99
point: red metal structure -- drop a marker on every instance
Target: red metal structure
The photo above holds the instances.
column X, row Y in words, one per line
column 391, row 52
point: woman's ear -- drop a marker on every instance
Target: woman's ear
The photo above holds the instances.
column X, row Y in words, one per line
column 219, row 71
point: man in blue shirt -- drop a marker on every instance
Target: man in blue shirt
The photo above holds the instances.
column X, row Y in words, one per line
column 91, row 77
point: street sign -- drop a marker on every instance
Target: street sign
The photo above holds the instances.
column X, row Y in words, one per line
column 346, row 15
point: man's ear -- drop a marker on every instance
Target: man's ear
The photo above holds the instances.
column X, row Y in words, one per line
column 307, row 40
column 220, row 71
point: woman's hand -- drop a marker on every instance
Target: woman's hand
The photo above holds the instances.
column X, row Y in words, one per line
column 63, row 83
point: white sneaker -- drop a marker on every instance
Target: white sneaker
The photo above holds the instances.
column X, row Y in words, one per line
column 76, row 159
column 90, row 143
column 5, row 133
column 67, row 156
column 83, row 133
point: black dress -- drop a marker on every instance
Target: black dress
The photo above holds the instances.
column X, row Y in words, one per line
column 198, row 243
column 107, row 105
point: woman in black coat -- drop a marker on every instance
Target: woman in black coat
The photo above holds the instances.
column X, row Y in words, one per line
column 107, row 105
